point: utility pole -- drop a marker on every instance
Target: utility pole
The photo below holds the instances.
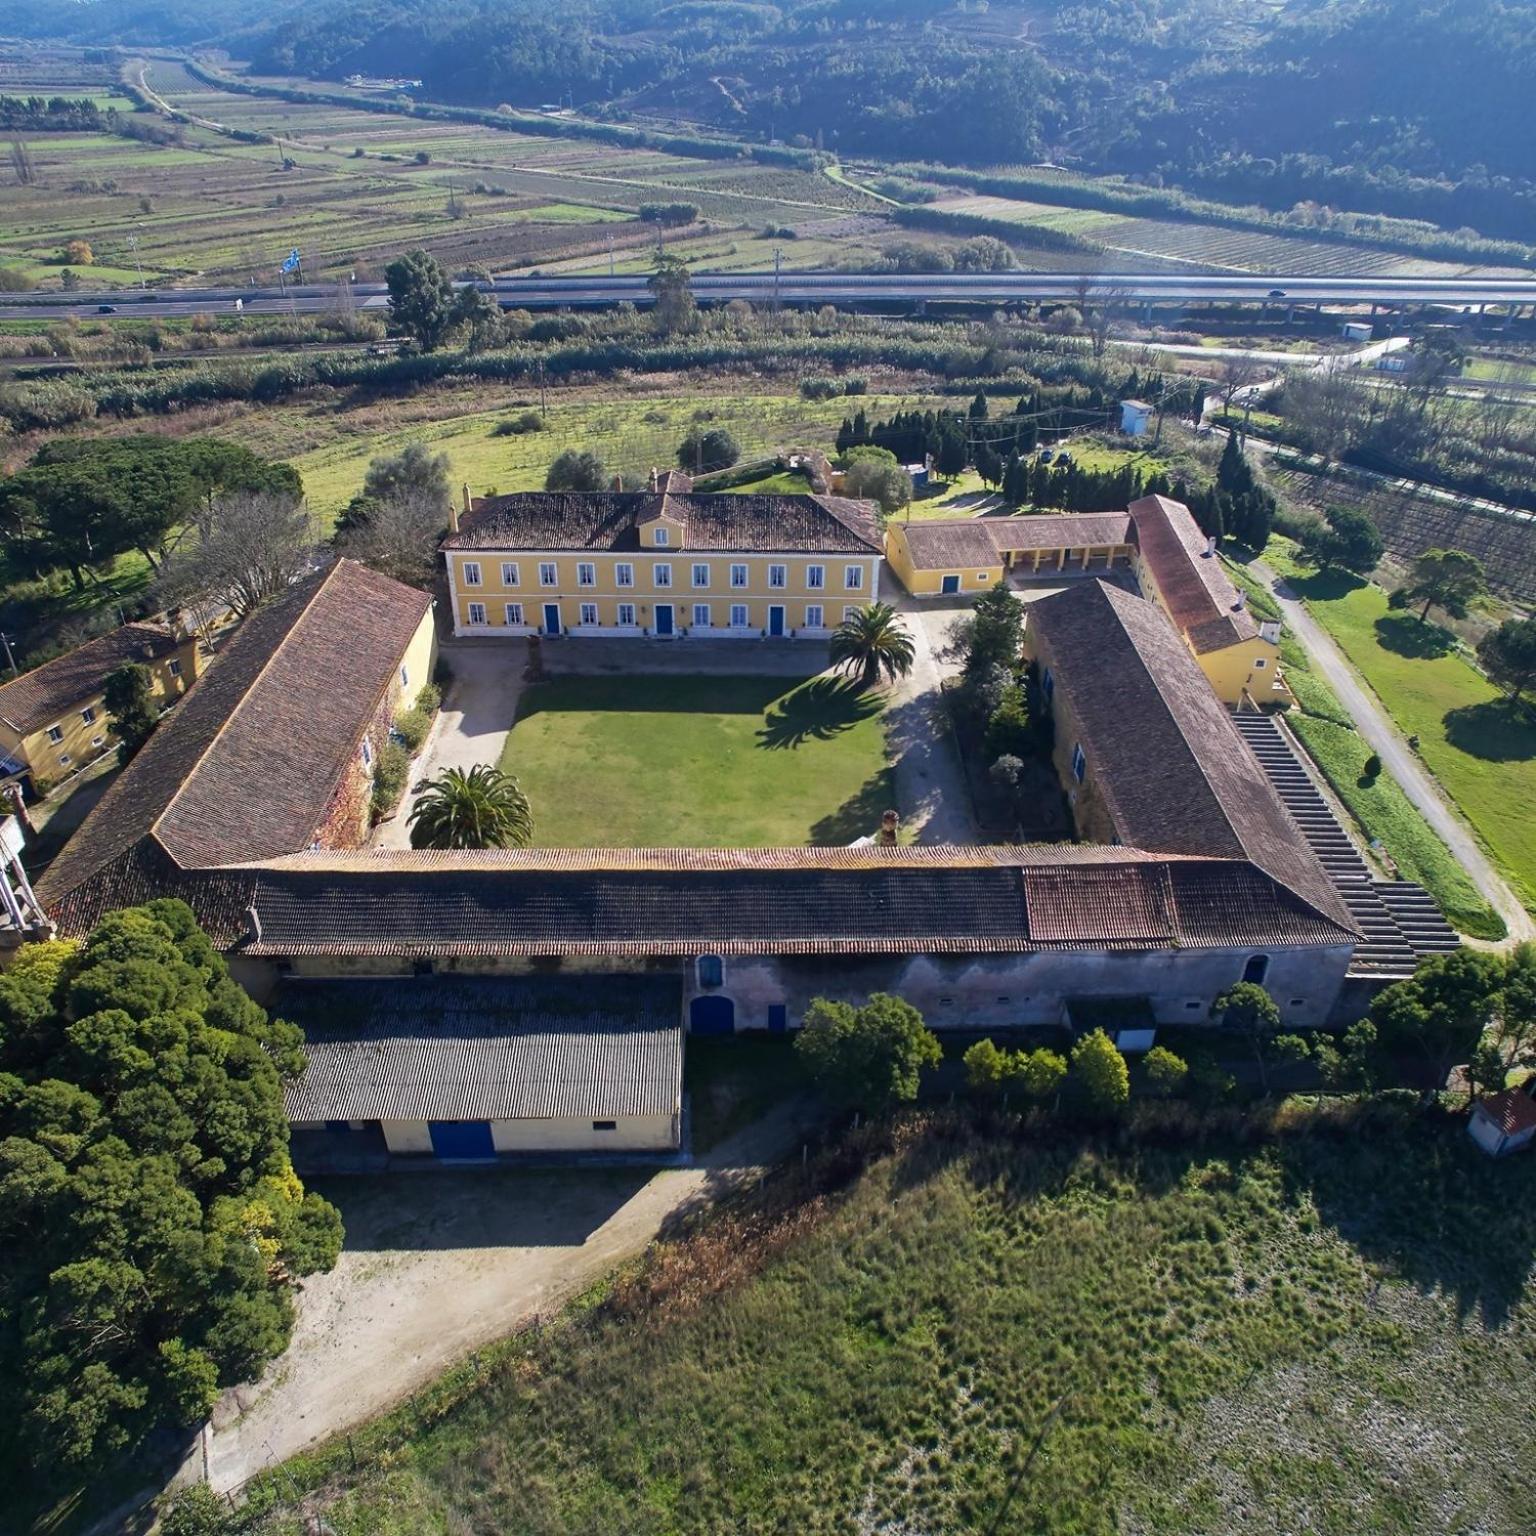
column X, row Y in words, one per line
column 133, row 245
column 610, row 253
column 778, row 253
column 5, row 640
column 543, row 398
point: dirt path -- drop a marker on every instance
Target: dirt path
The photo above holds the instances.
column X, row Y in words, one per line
column 1397, row 756
column 438, row 1264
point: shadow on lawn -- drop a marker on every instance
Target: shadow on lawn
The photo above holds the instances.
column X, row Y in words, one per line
column 1406, row 634
column 817, row 712
column 656, row 693
column 1498, row 731
column 858, row 816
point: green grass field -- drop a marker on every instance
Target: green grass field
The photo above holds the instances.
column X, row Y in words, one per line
column 1376, row 801
column 666, row 761
column 1321, row 1332
column 1481, row 748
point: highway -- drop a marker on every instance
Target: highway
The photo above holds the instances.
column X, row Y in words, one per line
column 820, row 288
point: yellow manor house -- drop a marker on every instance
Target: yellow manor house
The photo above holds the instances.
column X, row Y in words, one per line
column 663, row 562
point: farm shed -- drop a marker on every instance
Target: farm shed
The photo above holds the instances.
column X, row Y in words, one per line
column 1503, row 1122
column 1134, row 417
column 464, row 1068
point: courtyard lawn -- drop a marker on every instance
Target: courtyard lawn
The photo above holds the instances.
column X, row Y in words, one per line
column 1481, row 748
column 1311, row 1328
column 663, row 762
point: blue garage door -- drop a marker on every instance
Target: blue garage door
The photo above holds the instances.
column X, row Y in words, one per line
column 712, row 1016
column 463, row 1141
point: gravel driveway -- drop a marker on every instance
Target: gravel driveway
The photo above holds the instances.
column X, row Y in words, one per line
column 438, row 1263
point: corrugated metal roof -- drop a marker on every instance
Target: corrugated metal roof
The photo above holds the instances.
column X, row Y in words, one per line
column 480, row 1048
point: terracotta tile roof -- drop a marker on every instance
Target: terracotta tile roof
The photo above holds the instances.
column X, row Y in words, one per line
column 681, row 902
column 956, row 543
column 1196, row 589
column 36, row 699
column 607, row 520
column 1174, row 773
column 1512, row 1111
column 246, row 766
column 481, row 1048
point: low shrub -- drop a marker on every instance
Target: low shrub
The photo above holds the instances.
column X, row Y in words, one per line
column 391, row 770
column 430, row 699
column 519, row 426
column 411, row 727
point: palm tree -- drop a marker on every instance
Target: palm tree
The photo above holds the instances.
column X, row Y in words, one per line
column 873, row 642
column 483, row 808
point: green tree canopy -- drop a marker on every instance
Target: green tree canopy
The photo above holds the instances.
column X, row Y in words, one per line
column 576, row 469
column 129, row 699
column 484, row 808
column 421, row 298
column 872, row 1056
column 1347, row 539
column 1441, row 1010
column 882, row 481
column 707, row 448
column 674, row 309
column 1508, row 655
column 150, row 1220
column 1100, row 1072
column 1446, row 578
column 873, row 643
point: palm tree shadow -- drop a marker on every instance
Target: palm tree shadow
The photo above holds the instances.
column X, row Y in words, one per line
column 817, row 712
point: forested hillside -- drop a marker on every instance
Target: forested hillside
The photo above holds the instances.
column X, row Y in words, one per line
column 1352, row 104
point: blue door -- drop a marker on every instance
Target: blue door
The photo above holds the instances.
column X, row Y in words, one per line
column 551, row 618
column 463, row 1141
column 663, row 618
column 776, row 620
column 950, row 584
column 778, row 1018
column 711, row 1016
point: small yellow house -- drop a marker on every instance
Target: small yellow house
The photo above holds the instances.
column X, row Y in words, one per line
column 664, row 563
column 1177, row 568
column 52, row 719
column 956, row 556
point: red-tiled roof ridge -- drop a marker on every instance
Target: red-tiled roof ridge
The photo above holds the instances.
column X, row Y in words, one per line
column 1201, row 598
column 1149, row 801
column 1512, row 1110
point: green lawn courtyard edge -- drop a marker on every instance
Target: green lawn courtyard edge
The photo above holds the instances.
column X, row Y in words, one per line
column 1480, row 747
column 1244, row 1334
column 1376, row 801
column 692, row 761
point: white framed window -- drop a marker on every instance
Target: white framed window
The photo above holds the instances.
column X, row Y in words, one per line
column 173, row 666
column 97, row 741
column 813, row 616
column 510, row 575
column 514, row 613
column 701, row 575
column 588, row 613
column 87, row 715
column 851, row 613
column 548, row 575
column 471, row 573
column 738, row 615
column 661, row 537
column 1260, row 663
column 626, row 613
column 981, row 578
column 738, row 575
column 55, row 734
column 778, row 575
column 701, row 616
column 661, row 574
column 586, row 574
column 624, row 574
column 477, row 613
column 815, row 577
column 367, row 754
column 64, row 759
column 1079, row 763
column 853, row 578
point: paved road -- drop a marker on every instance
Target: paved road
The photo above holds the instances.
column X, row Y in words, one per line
column 823, row 288
column 1397, row 757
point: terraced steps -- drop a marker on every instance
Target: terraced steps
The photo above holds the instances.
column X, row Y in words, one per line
column 1399, row 920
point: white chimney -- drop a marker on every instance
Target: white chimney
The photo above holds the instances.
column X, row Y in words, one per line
column 1241, row 603
column 1210, row 546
